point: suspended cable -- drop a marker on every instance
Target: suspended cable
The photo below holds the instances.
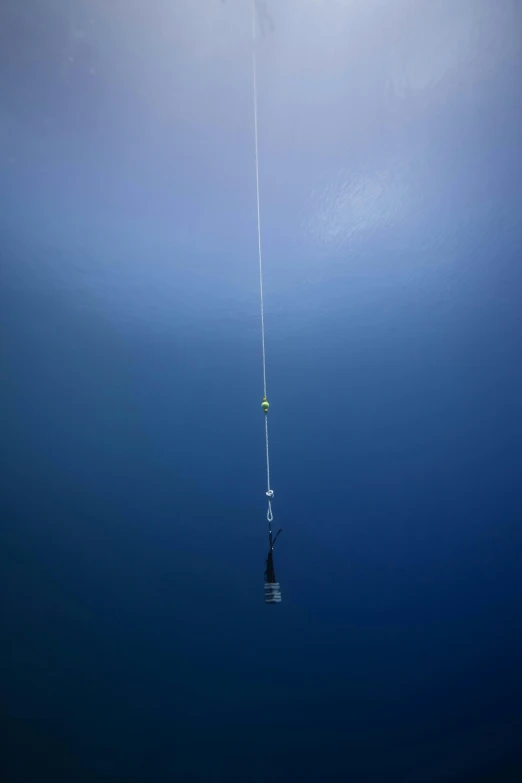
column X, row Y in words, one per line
column 272, row 588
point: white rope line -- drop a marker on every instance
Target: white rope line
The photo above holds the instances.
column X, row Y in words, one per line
column 267, row 455
column 269, row 492
column 260, row 255
column 254, row 74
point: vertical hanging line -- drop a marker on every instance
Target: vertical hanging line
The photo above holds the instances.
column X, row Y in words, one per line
column 272, row 587
column 254, row 75
column 269, row 491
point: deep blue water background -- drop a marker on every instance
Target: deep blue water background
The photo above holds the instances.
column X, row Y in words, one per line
column 136, row 644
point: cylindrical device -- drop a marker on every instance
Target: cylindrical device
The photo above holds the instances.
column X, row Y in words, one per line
column 272, row 593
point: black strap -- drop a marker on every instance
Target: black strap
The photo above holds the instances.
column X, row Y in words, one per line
column 275, row 539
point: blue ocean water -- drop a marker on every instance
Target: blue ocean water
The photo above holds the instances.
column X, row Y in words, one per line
column 137, row 645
